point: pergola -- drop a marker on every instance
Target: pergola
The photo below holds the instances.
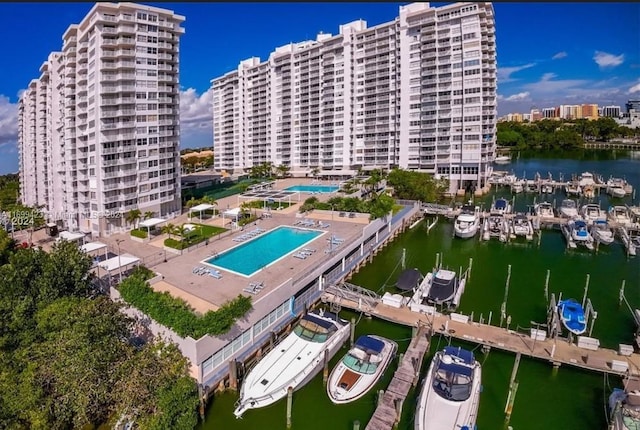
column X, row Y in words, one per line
column 71, row 237
column 231, row 214
column 266, row 195
column 201, row 208
column 151, row 222
column 92, row 247
column 118, row 263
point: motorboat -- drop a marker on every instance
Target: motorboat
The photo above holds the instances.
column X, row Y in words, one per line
column 620, row 215
column 617, row 192
column 546, row 188
column 617, row 187
column 624, row 406
column 544, row 210
column 586, row 178
column 569, row 208
column 591, row 212
column 571, row 314
column 517, row 186
column 573, row 188
column 294, row 361
column 521, row 226
column 495, row 226
column 579, row 232
column 502, row 159
column 501, row 206
column 630, row 237
column 468, row 222
column 450, row 393
column 439, row 288
column 360, row 368
column 589, row 191
column 602, row 232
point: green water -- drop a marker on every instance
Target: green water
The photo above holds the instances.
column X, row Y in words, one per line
column 566, row 398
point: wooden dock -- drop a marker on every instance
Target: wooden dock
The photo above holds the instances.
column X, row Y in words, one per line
column 557, row 351
column 387, row 413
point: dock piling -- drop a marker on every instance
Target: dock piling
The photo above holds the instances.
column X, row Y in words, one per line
column 289, row 404
column 325, row 370
column 356, row 425
column 380, row 397
column 353, row 330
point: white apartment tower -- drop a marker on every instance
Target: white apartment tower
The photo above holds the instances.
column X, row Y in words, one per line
column 99, row 130
column 418, row 92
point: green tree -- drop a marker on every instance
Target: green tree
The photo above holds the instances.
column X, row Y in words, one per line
column 133, row 216
column 168, row 229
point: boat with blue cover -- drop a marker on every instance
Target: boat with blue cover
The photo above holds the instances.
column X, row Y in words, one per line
column 501, row 206
column 360, row 368
column 450, row 394
column 571, row 314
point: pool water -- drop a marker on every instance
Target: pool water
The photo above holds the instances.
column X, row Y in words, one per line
column 314, row 188
column 263, row 250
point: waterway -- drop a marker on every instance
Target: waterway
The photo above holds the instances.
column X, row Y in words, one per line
column 546, row 398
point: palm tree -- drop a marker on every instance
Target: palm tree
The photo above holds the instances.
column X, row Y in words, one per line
column 133, row 216
column 168, row 229
column 283, row 170
column 192, row 202
column 314, row 172
column 148, row 215
column 207, row 199
column 180, row 231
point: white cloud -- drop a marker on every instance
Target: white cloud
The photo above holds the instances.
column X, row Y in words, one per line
column 196, row 118
column 606, row 60
column 548, row 76
column 8, row 121
column 504, row 73
column 634, row 89
column 516, row 97
column 559, row 55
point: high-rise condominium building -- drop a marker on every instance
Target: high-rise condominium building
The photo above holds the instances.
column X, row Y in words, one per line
column 99, row 129
column 632, row 104
column 418, row 92
column 611, row 111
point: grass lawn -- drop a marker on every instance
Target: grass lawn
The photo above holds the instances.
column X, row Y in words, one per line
column 201, row 233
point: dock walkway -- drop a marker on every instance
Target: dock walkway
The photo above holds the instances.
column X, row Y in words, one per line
column 556, row 351
column 387, row 413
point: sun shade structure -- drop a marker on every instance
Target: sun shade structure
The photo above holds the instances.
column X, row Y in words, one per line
column 119, row 262
column 151, row 222
column 409, row 279
column 269, row 195
column 93, row 246
column 71, row 237
column 201, row 208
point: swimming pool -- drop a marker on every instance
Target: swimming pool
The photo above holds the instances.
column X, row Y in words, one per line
column 314, row 188
column 262, row 251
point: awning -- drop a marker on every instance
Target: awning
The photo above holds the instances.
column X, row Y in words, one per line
column 202, row 207
column 151, row 222
column 115, row 263
column 92, row 246
column 67, row 235
column 232, row 212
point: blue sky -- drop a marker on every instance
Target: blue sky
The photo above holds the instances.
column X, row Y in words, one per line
column 548, row 53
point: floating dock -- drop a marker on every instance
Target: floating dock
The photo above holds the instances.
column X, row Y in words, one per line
column 585, row 353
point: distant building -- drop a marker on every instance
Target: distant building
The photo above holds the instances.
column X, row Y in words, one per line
column 632, row 104
column 550, row 113
column 611, row 111
column 536, row 115
column 590, row 111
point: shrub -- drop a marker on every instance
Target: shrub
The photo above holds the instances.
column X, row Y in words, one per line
column 142, row 234
column 176, row 314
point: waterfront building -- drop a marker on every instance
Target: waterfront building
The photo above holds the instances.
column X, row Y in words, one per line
column 99, row 129
column 611, row 111
column 632, row 105
column 418, row 92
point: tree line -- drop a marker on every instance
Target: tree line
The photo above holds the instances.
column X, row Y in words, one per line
column 560, row 135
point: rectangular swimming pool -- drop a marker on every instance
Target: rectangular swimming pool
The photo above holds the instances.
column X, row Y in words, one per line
column 263, row 250
column 314, row 188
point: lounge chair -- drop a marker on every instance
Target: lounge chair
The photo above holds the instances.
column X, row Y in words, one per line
column 322, row 225
column 300, row 256
column 309, row 250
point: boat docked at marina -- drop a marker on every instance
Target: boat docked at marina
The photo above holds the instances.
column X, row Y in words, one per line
column 617, row 187
column 502, row 159
column 294, row 361
column 544, row 210
column 569, row 208
column 517, row 186
column 620, row 215
column 573, row 188
column 521, row 226
column 576, row 232
column 624, row 406
column 571, row 313
column 591, row 212
column 546, row 188
column 440, row 288
column 495, row 226
column 467, row 222
column 450, row 393
column 586, row 179
column 589, row 191
column 602, row 232
column 630, row 237
column 500, row 206
column 360, row 368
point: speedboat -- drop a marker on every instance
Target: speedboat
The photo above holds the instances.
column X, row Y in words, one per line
column 619, row 215
column 517, row 186
column 580, row 233
column 546, row 188
column 616, row 187
column 442, row 288
column 591, row 212
column 495, row 226
column 521, row 226
column 360, row 368
column 468, row 222
column 601, row 232
column 589, row 191
column 624, row 405
column 544, row 210
column 572, row 316
column 294, row 361
column 569, row 208
column 501, row 206
column 502, row 159
column 586, row 178
column 450, row 393
column 573, row 188
column 630, row 236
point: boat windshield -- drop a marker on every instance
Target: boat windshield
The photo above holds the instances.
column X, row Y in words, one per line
column 569, row 204
column 311, row 331
column 453, row 382
column 359, row 364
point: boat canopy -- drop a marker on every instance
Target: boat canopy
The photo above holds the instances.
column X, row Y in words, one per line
column 456, row 368
column 313, row 319
column 370, row 345
column 468, row 209
column 408, row 279
column 464, row 355
column 580, row 224
column 501, row 204
column 443, row 285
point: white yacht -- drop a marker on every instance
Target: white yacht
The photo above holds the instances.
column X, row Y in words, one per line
column 517, row 186
column 502, row 159
column 630, row 236
column 624, row 405
column 586, row 178
column 616, row 187
column 360, row 369
column 495, row 226
column 573, row 188
column 578, row 232
column 468, row 222
column 620, row 215
column 450, row 393
column 569, row 208
column 544, row 210
column 602, row 232
column 294, row 361
column 591, row 212
column 521, row 226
